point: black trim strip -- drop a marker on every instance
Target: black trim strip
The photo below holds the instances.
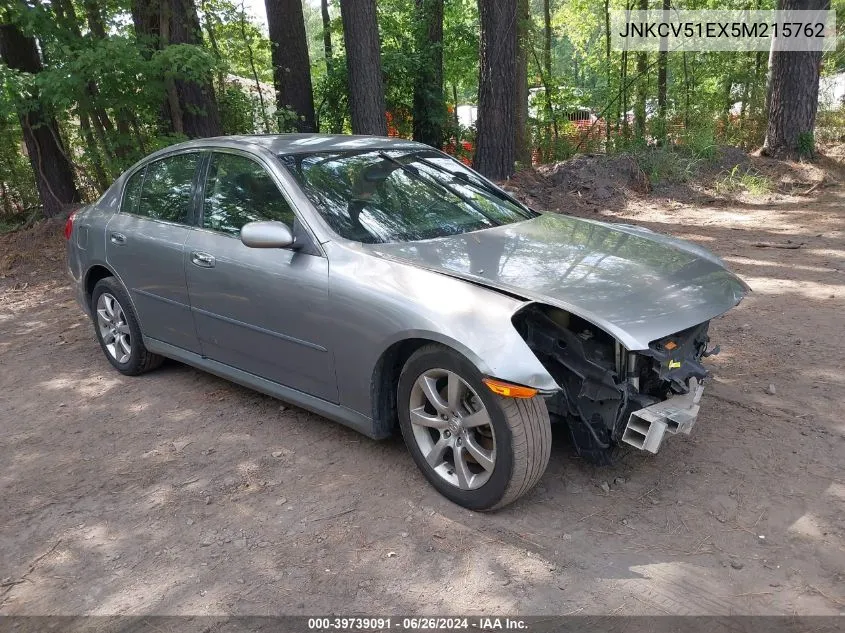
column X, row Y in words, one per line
column 160, row 298
column 262, row 330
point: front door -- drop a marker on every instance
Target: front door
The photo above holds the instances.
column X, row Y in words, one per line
column 145, row 246
column 256, row 309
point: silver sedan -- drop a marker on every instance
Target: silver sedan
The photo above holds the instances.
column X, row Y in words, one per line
column 380, row 283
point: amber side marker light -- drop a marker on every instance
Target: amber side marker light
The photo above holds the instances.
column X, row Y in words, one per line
column 508, row 390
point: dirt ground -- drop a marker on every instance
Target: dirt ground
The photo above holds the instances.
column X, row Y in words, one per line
column 179, row 493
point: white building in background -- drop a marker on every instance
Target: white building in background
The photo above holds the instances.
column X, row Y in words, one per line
column 467, row 115
column 268, row 94
column 832, row 91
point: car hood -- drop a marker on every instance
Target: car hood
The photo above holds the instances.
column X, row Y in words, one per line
column 637, row 285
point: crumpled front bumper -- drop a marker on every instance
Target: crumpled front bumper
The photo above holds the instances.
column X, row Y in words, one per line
column 647, row 427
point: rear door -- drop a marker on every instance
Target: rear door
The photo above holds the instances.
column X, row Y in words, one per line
column 260, row 310
column 145, row 246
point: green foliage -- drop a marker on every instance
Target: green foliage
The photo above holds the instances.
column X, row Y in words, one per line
column 17, row 182
column 117, row 84
column 806, row 145
column 740, row 179
column 327, row 76
column 14, row 221
column 830, row 126
column 238, row 110
column 460, row 49
column 667, row 165
column 107, row 93
column 399, row 59
column 286, row 120
column 236, row 37
column 700, row 140
column 330, row 95
column 162, row 140
column 186, row 62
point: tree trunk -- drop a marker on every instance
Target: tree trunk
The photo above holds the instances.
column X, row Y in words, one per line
column 642, row 87
column 291, row 64
column 769, row 65
column 686, row 91
column 747, row 80
column 754, row 100
column 727, row 96
column 199, row 106
column 608, row 70
column 208, row 17
column 522, row 137
column 429, row 102
column 547, row 77
column 335, row 116
column 189, row 107
column 662, row 58
column 547, row 38
column 6, row 198
column 623, row 100
column 456, row 121
column 250, row 54
column 95, row 19
column 327, row 31
column 363, row 63
column 88, row 98
column 495, row 151
column 53, row 171
column 147, row 23
column 794, row 94
column 102, row 181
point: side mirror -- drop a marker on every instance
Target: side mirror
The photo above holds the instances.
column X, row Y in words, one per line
column 266, row 235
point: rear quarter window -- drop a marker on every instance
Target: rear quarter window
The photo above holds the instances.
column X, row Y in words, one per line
column 167, row 189
column 132, row 192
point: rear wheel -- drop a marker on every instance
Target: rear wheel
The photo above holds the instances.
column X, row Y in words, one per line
column 117, row 329
column 480, row 450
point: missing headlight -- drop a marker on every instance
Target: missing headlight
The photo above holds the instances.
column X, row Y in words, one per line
column 601, row 382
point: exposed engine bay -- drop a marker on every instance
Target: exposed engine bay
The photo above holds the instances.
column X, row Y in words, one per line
column 603, row 384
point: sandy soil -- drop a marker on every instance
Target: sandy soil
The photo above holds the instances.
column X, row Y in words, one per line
column 179, row 493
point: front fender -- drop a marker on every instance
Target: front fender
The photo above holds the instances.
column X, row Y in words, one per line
column 509, row 359
column 377, row 303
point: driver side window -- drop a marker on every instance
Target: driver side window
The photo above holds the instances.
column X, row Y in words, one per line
column 239, row 190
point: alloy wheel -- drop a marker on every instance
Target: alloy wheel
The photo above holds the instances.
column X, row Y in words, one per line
column 114, row 329
column 452, row 429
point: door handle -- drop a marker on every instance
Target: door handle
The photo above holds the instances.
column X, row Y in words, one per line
column 117, row 238
column 203, row 260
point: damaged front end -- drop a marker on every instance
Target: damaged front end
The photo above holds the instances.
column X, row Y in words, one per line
column 610, row 395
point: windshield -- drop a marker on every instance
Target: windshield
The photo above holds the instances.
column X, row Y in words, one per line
column 386, row 195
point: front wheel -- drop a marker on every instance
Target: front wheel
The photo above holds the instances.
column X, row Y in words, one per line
column 480, row 450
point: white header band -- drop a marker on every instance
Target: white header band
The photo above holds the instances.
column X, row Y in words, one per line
column 712, row 30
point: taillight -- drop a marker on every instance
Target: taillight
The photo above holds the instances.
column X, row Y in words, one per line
column 69, row 226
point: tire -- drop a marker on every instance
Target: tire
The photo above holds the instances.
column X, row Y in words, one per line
column 504, row 458
column 110, row 296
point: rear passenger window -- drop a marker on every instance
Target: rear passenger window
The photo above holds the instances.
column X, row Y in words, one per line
column 239, row 191
column 166, row 192
column 132, row 192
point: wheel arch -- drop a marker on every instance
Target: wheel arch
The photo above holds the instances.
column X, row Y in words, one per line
column 98, row 271
column 388, row 367
column 95, row 273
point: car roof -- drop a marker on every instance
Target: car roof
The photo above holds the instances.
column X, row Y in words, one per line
column 301, row 143
column 279, row 144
